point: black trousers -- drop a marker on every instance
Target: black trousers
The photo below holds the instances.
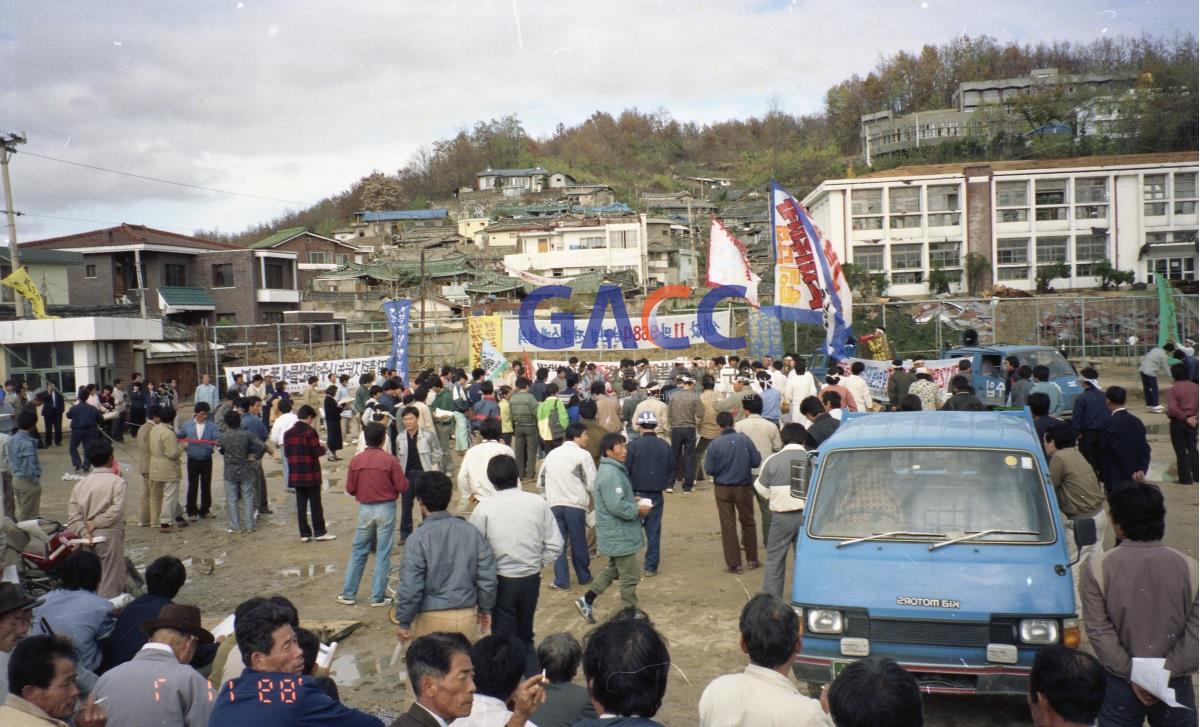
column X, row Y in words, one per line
column 516, row 601
column 199, row 477
column 1091, row 446
column 80, row 438
column 310, row 498
column 1183, row 440
column 53, row 428
column 683, row 448
column 406, row 504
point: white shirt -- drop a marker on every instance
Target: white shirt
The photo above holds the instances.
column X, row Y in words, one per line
column 472, row 473
column 568, row 476
column 521, row 530
column 283, row 422
column 857, row 386
column 778, row 380
column 761, row 697
column 798, row 388
column 486, row 712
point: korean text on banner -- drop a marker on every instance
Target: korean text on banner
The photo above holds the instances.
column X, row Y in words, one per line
column 810, row 286
column 876, row 373
column 727, row 262
column 764, row 335
column 492, row 362
column 484, row 328
column 24, row 286
column 398, row 312
column 296, row 374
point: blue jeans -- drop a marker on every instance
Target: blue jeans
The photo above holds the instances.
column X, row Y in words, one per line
column 572, row 523
column 652, row 524
column 1150, row 394
column 377, row 524
column 1122, row 709
column 239, row 501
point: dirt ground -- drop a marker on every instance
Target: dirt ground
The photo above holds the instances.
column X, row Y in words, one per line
column 691, row 601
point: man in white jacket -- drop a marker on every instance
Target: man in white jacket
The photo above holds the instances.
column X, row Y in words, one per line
column 858, row 387
column 473, row 482
column 567, row 479
column 800, row 385
column 787, row 512
column 285, row 421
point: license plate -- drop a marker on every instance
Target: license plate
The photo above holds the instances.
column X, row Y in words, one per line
column 839, row 667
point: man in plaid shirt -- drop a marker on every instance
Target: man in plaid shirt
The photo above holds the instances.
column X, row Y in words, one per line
column 303, row 449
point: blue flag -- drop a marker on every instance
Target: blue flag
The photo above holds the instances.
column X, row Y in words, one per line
column 397, row 312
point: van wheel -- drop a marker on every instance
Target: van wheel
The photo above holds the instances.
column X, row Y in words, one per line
column 813, row 689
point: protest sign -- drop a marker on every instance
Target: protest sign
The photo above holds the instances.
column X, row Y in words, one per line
column 877, row 373
column 480, row 329
column 296, row 374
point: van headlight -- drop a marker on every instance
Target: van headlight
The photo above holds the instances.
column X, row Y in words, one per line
column 824, row 621
column 1039, row 631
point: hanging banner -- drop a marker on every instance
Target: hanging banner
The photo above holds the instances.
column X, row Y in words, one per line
column 764, row 336
column 535, row 279
column 492, row 362
column 296, row 374
column 810, row 286
column 727, row 262
column 398, row 313
column 687, row 325
column 1168, row 322
column 876, row 373
column 480, row 329
column 24, row 286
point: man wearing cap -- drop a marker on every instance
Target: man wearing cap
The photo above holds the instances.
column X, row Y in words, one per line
column 158, row 686
column 16, row 616
column 685, row 412
column 653, row 404
column 651, row 466
column 1089, row 415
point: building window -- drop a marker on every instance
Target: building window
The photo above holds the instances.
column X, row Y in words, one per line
column 1050, row 199
column 1173, row 268
column 869, row 258
column 1090, row 190
column 906, row 278
column 1156, row 238
column 41, row 362
column 1014, row 215
column 342, row 259
column 1091, row 212
column 1091, row 248
column 1012, row 194
column 1012, row 251
column 586, row 243
column 1185, row 236
column 222, row 275
column 1015, row 272
column 622, row 239
column 1154, row 194
column 174, row 275
column 272, row 316
column 1051, row 250
column 89, row 271
column 279, row 276
column 907, row 257
column 943, row 205
column 320, row 258
column 1185, row 193
column 904, row 205
column 866, row 209
column 227, row 319
column 945, row 255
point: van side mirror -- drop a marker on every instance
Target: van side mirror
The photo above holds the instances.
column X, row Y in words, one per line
column 801, row 470
column 1085, row 532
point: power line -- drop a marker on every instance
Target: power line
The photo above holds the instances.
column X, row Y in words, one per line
column 86, row 219
column 165, row 181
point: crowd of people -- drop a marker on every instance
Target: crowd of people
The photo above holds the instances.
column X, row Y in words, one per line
column 550, row 467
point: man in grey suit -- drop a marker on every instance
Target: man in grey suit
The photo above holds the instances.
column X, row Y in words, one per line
column 158, row 687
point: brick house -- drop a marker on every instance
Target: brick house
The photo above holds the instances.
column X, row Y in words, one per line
column 187, row 280
column 316, row 254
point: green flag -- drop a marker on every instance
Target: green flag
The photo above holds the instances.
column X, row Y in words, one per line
column 1168, row 324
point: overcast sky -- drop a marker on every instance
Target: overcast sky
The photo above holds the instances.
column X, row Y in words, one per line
column 297, row 99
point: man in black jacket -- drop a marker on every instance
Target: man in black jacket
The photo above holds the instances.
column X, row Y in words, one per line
column 52, row 413
column 651, row 466
column 85, row 419
column 1126, row 450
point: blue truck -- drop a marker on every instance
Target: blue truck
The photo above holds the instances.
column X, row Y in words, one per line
column 987, row 365
column 933, row 538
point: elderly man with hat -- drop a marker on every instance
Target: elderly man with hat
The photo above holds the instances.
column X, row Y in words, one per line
column 158, row 686
column 16, row 616
column 653, row 403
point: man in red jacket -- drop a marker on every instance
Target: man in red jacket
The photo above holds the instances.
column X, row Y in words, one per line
column 376, row 479
column 303, row 449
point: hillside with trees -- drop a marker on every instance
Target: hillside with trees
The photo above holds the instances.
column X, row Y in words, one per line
column 636, row 151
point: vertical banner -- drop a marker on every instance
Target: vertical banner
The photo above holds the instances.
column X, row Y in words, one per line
column 764, row 335
column 1168, row 322
column 480, row 329
column 727, row 262
column 492, row 361
column 397, row 312
column 24, row 286
column 810, row 286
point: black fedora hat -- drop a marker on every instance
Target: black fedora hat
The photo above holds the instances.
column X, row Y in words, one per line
column 14, row 598
column 178, row 617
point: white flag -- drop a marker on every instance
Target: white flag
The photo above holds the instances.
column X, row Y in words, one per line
column 727, row 263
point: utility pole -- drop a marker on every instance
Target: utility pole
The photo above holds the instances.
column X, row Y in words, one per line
column 8, row 147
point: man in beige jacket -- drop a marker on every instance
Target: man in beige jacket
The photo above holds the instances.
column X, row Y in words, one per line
column 165, row 456
column 97, row 508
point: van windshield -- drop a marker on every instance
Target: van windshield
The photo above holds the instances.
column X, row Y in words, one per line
column 864, row 492
column 1053, row 360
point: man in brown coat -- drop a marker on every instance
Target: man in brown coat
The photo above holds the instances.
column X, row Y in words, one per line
column 96, row 508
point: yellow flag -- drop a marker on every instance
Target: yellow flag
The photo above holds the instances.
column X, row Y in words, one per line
column 20, row 282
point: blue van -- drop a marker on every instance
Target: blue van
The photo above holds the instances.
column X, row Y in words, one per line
column 933, row 538
column 987, row 365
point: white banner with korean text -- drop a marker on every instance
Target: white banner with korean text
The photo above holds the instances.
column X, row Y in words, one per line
column 296, row 374
column 877, row 373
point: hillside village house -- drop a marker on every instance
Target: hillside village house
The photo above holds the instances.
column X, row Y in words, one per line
column 386, row 223
column 522, row 181
column 1139, row 212
column 316, row 254
column 186, row 279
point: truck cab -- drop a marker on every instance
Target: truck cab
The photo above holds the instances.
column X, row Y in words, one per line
column 933, row 538
column 987, row 367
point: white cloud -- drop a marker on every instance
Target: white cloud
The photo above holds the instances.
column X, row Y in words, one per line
column 296, row 100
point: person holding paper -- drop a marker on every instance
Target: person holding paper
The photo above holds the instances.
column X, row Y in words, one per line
column 1139, row 607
